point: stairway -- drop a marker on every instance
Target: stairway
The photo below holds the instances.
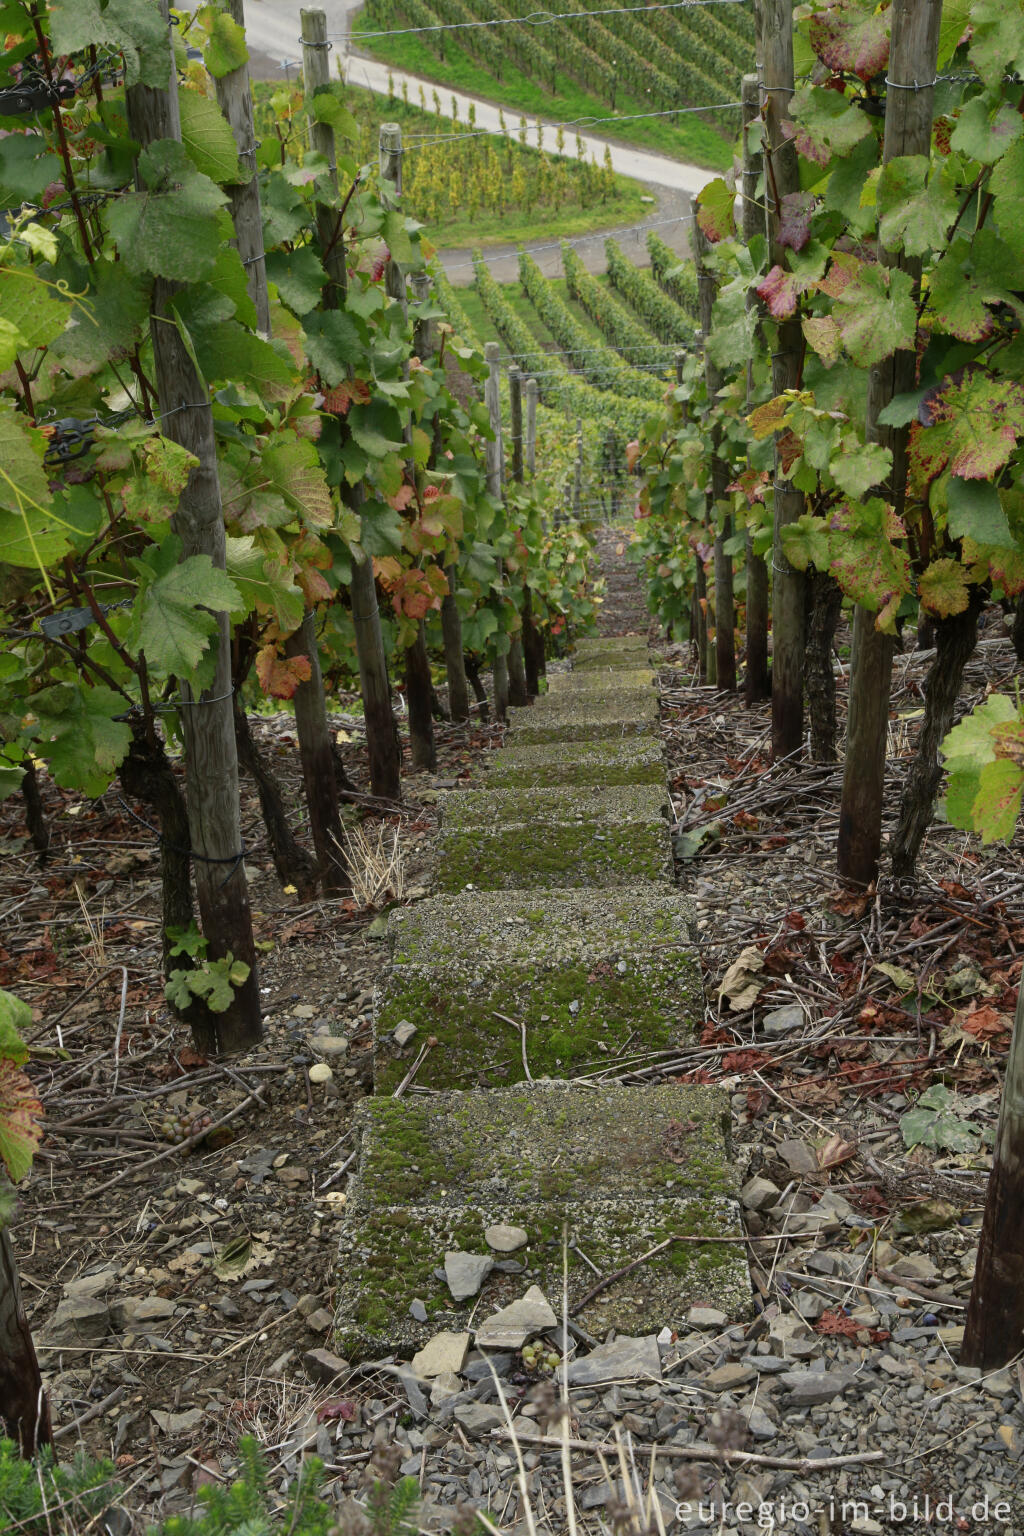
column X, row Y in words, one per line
column 557, row 948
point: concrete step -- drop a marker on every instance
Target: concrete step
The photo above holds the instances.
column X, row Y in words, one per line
column 623, row 760
column 589, row 975
column 585, row 719
column 616, row 1172
column 597, row 681
column 525, row 855
column 463, row 808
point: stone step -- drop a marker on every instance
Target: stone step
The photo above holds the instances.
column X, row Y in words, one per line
column 591, row 643
column 485, row 807
column 594, row 680
column 584, row 719
column 588, row 974
column 619, row 1170
column 627, row 760
column 610, row 660
column 612, row 851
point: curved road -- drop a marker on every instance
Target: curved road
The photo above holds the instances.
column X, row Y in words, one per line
column 272, row 30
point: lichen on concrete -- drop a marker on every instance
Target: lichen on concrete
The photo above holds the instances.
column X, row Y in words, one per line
column 596, row 979
column 593, row 802
column 570, row 854
column 593, row 680
column 617, row 724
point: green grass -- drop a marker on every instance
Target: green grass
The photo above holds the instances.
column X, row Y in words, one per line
column 689, row 139
column 626, row 205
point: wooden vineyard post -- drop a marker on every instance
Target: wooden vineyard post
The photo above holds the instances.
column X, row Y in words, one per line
column 725, row 623
column 234, row 98
column 208, row 727
column 755, row 683
column 782, row 177
column 382, row 742
column 994, row 1327
column 493, row 463
column 532, row 390
column 523, row 655
column 913, row 52
column 577, row 477
column 425, row 346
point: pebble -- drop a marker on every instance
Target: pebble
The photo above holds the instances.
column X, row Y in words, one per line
column 465, row 1273
column 504, row 1239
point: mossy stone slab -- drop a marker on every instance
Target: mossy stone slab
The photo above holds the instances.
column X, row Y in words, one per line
column 519, row 857
column 590, row 802
column 629, row 760
column 598, row 979
column 584, row 719
column 623, row 1169
column 613, row 703
column 589, row 645
column 594, row 680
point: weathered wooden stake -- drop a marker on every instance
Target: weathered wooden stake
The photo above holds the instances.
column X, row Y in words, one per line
column 234, row 98
column 756, row 685
column 913, row 52
column 523, row 658
column 24, row 1405
column 532, row 390
column 725, row 622
column 316, row 76
column 493, row 462
column 782, row 176
column 208, row 728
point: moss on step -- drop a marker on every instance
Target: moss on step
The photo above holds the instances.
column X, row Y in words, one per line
column 595, row 680
column 618, row 723
column 590, row 976
column 610, row 702
column 588, row 645
column 630, row 760
column 576, row 855
column 580, row 803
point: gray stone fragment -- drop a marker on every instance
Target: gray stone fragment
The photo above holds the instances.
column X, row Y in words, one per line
column 478, row 1419
column 520, row 1320
column 782, row 1021
column 466, row 1272
column 403, row 1032
column 417, row 1311
column 706, row 1317
column 444, row 1353
column 504, row 1239
column 624, row 1359
column 759, row 1194
column 141, row 1311
column 760, row 1424
column 729, row 1377
column 77, row 1320
column 806, row 1389
column 324, row 1366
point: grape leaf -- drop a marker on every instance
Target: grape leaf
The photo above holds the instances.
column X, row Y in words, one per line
column 869, row 567
column 172, row 621
column 1007, row 185
column 781, row 291
column 328, row 109
column 875, row 313
column 299, row 277
column 79, row 736
column 225, row 48
column 805, row 542
column 997, row 803
column 108, row 320
column 15, row 1015
column 851, row 38
column 332, row 344
column 974, row 423
column 856, row 471
column 915, row 212
column 280, row 676
column 20, row 1113
column 822, row 334
column 997, row 39
column 972, row 743
column 30, row 532
column 975, row 511
column 984, row 138
column 172, row 233
column 715, row 210
column 265, row 583
column 292, row 468
column 208, row 139
column 28, row 304
column 826, row 124
column 134, row 28
column 795, row 220
column 942, row 588
column 27, row 167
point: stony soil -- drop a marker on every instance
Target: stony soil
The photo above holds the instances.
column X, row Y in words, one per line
column 844, row 1390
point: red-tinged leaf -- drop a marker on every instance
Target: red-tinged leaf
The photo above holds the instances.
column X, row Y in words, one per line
column 751, row 484
column 986, row 1023
column 632, row 454
column 314, row 587
column 842, row 271
column 715, row 210
column 875, row 312
column 795, row 220
column 402, row 497
column 795, row 919
column 338, row 399
column 837, row 1325
column 836, row 1151
column 20, row 1112
column 851, row 39
column 767, row 418
column 337, row 1408
column 781, row 292
column 825, row 124
column 972, row 423
column 824, row 337
column 280, row 675
column 868, row 566
column 942, row 588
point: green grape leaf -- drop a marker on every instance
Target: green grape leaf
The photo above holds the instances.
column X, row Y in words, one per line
column 955, row 17
column 225, row 48
column 175, row 620
column 20, row 1114
column 15, row 1015
column 27, row 167
column 982, row 137
column 108, row 320
column 871, row 569
column 873, row 307
column 332, row 344
column 132, row 27
column 285, row 214
column 11, row 343
column 826, row 124
column 78, row 735
column 970, row 276
column 942, row 588
column 10, row 780
column 29, row 305
column 851, row 38
column 972, row 743
column 172, row 233
column 805, row 542
column 847, row 178
column 858, row 470
column 975, row 511
column 30, row 532
column 292, row 468
column 915, row 212
column 266, row 584
column 299, row 277
column 997, row 804
column 715, row 210
column 207, row 137
column 1006, row 183
column 961, row 793
column 328, row 109
column 974, row 423
column 997, row 39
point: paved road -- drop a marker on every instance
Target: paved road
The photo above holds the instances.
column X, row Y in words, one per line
column 272, row 27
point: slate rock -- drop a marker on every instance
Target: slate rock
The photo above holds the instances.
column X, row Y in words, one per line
column 798, row 1156
column 324, row 1366
column 141, row 1311
column 624, row 1359
column 759, row 1194
column 77, row 1320
column 465, row 1273
column 520, row 1320
column 320, row 1320
column 505, row 1239
column 445, row 1352
column 806, row 1389
column 478, row 1419
column 729, row 1377
column 706, row 1317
